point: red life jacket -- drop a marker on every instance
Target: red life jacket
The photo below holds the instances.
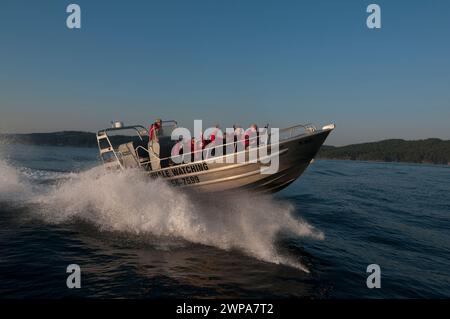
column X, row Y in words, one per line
column 249, row 134
column 244, row 139
column 213, row 135
column 153, row 128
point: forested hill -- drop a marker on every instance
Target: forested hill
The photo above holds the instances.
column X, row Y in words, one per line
column 433, row 150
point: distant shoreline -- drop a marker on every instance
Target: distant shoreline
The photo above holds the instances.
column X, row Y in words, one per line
column 427, row 151
column 380, row 162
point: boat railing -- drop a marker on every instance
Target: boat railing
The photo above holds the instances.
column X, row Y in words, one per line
column 296, row 130
column 146, row 150
column 212, row 146
column 284, row 134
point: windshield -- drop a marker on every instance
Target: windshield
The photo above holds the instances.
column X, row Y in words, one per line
column 167, row 128
column 137, row 135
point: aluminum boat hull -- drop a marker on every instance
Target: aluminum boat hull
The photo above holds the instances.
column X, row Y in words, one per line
column 295, row 155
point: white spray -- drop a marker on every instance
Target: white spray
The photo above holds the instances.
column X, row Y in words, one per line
column 12, row 185
column 129, row 202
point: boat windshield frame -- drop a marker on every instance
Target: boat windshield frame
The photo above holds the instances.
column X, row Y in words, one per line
column 137, row 128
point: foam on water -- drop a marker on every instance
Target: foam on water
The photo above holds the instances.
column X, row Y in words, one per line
column 12, row 185
column 130, row 202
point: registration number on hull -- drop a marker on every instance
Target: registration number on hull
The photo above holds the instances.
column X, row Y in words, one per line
column 184, row 181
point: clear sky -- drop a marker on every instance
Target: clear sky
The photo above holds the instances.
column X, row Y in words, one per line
column 243, row 61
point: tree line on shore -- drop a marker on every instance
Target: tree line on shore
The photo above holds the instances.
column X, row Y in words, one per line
column 432, row 150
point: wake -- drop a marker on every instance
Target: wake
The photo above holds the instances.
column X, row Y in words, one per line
column 130, row 202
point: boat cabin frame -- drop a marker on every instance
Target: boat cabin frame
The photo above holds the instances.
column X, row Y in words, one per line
column 128, row 151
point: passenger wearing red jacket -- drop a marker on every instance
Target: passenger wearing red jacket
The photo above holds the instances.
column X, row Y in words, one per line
column 251, row 137
column 154, row 130
column 215, row 134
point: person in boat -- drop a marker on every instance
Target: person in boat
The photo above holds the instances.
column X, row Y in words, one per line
column 177, row 151
column 263, row 135
column 155, row 130
column 153, row 144
column 238, row 132
column 196, row 149
column 251, row 137
column 215, row 134
column 215, row 138
column 203, row 140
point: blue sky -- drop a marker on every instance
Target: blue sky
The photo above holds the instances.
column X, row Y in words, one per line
column 282, row 62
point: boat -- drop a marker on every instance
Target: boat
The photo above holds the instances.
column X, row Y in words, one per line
column 294, row 148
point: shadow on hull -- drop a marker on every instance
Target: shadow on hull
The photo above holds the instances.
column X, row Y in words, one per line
column 293, row 163
column 295, row 155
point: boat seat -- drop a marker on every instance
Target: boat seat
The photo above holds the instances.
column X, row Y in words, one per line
column 129, row 156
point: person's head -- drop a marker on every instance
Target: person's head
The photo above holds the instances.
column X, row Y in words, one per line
column 158, row 122
column 254, row 127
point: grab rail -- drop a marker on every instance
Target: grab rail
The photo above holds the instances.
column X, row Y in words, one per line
column 289, row 132
column 285, row 133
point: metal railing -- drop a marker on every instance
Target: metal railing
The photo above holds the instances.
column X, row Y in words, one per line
column 284, row 134
column 296, row 130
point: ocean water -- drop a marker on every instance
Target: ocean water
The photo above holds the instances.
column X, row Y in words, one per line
column 134, row 238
